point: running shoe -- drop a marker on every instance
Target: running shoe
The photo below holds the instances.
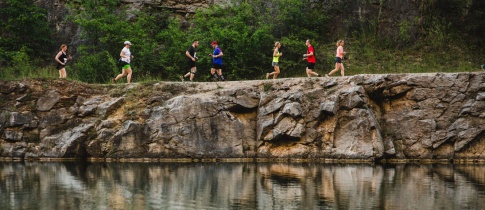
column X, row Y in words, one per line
column 267, row 75
column 182, row 78
column 215, row 78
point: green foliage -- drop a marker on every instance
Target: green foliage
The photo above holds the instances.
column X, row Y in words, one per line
column 172, row 49
column 23, row 27
column 405, row 32
column 238, row 37
column 147, row 48
column 267, row 86
column 438, row 33
column 102, row 26
column 22, row 67
column 436, row 39
column 292, row 63
column 106, row 27
column 95, row 68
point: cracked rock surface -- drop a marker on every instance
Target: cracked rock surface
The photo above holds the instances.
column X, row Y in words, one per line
column 399, row 116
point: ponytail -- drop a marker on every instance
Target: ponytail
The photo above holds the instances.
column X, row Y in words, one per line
column 276, row 45
column 62, row 46
column 339, row 41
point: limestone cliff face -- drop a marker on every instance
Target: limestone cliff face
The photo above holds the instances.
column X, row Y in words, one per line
column 405, row 116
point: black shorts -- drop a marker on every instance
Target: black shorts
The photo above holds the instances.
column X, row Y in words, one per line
column 59, row 66
column 311, row 66
column 338, row 60
column 216, row 66
column 191, row 64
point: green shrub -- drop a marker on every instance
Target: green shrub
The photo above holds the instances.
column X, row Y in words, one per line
column 95, row 68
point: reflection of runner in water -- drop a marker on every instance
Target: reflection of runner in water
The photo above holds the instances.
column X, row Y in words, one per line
column 276, row 56
column 61, row 59
column 310, row 57
column 338, row 59
column 191, row 55
column 216, row 62
column 126, row 59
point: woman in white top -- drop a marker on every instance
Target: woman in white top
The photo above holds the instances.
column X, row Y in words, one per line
column 338, row 59
column 126, row 57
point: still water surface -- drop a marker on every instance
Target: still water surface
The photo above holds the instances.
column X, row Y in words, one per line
column 41, row 185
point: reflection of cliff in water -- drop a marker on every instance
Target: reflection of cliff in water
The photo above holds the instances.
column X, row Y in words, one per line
column 473, row 174
column 37, row 185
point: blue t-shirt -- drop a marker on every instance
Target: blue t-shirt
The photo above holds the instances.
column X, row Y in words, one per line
column 217, row 60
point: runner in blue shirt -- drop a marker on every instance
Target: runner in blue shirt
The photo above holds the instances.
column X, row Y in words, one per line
column 216, row 62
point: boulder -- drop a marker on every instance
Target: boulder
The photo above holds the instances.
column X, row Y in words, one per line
column 110, row 105
column 69, row 143
column 23, row 118
column 293, row 109
column 46, row 102
column 330, row 106
column 357, row 136
column 13, row 135
column 7, row 88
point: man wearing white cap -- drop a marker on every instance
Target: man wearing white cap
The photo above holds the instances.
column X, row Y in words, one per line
column 126, row 57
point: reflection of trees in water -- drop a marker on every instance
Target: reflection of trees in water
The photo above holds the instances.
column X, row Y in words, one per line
column 240, row 185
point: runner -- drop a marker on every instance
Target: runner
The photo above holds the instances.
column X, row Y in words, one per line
column 276, row 56
column 191, row 55
column 216, row 62
column 310, row 57
column 126, row 57
column 61, row 59
column 338, row 59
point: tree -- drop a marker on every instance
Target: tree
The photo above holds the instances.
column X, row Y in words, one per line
column 23, row 25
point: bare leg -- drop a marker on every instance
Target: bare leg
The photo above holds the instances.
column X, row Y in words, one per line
column 213, row 74
column 128, row 78
column 342, row 69
column 337, row 66
column 120, row 75
column 192, row 73
column 62, row 73
column 310, row 72
column 276, row 72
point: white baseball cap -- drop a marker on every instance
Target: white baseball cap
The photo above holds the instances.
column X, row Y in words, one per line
column 127, row 42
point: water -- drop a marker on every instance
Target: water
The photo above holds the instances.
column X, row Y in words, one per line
column 43, row 185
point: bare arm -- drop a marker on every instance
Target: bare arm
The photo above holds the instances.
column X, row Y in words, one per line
column 275, row 52
column 189, row 56
column 57, row 57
